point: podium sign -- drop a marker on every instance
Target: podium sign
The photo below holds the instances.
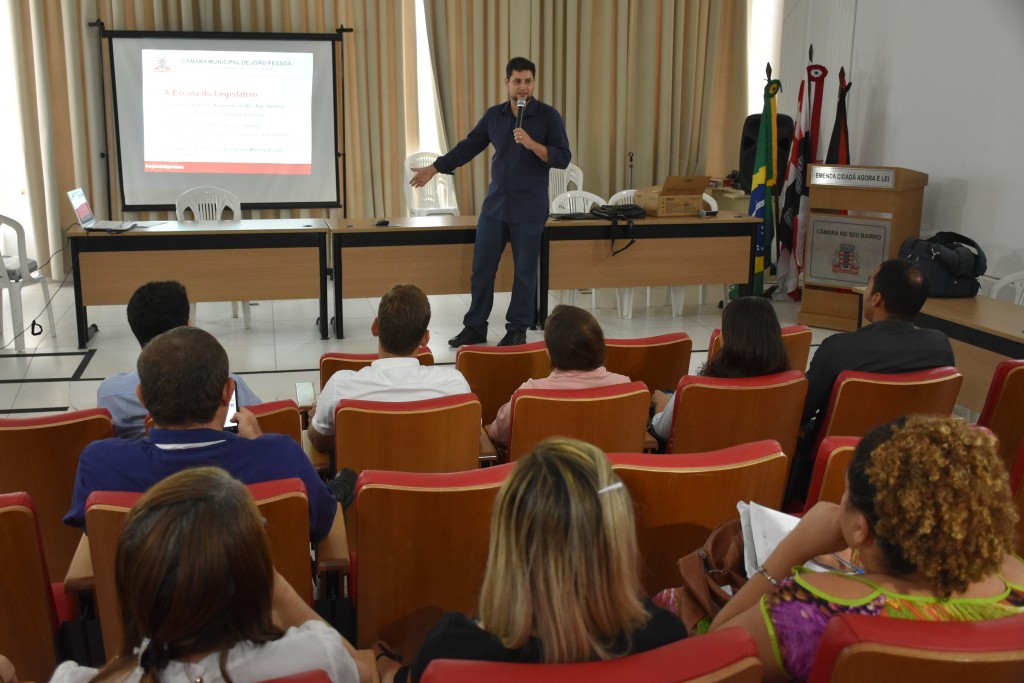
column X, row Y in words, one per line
column 859, row 216
column 849, row 176
column 845, row 250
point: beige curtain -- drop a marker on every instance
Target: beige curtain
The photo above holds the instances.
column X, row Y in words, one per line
column 59, row 93
column 661, row 78
column 664, row 79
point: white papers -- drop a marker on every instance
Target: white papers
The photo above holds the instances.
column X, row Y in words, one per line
column 763, row 530
column 304, row 395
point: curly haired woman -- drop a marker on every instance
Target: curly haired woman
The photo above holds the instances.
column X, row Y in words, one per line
column 928, row 514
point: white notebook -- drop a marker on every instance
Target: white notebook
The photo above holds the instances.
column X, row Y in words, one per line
column 763, row 530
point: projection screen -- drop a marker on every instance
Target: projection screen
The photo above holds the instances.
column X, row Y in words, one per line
column 251, row 113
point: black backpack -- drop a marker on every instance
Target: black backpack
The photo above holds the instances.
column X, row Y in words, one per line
column 616, row 211
column 625, row 212
column 953, row 263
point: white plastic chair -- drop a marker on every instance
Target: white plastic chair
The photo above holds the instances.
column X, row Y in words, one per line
column 559, row 180
column 207, row 205
column 622, row 197
column 677, row 299
column 624, row 295
column 1014, row 279
column 576, row 201
column 677, row 294
column 18, row 272
column 436, row 197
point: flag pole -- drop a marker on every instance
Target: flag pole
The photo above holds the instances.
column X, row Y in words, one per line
column 775, row 205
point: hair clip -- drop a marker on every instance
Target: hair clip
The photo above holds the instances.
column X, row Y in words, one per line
column 611, row 487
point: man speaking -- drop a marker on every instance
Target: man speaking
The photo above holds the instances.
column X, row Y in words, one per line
column 528, row 138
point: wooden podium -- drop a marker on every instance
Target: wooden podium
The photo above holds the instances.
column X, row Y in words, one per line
column 858, row 217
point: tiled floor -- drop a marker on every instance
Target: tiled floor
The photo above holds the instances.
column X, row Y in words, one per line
column 283, row 345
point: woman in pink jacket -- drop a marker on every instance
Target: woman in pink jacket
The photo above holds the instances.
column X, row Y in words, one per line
column 575, row 345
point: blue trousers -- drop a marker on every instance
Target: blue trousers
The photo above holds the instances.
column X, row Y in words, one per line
column 491, row 237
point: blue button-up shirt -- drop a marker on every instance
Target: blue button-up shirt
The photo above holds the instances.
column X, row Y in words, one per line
column 519, row 179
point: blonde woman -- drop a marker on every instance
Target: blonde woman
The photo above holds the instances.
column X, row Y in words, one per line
column 561, row 582
column 928, row 513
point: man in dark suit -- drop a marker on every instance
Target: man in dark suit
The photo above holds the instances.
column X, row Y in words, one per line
column 890, row 343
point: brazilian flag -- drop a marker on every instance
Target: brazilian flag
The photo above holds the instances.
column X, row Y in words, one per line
column 761, row 194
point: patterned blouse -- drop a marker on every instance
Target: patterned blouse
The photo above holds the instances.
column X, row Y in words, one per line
column 796, row 614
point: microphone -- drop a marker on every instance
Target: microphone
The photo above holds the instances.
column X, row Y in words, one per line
column 521, row 106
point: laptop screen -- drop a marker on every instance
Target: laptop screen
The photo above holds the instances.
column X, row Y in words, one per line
column 82, row 209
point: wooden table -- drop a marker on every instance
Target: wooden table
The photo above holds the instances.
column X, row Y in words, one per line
column 223, row 261
column 436, row 254
column 686, row 250
column 983, row 332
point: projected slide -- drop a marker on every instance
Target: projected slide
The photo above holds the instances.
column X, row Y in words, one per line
column 227, row 112
column 253, row 114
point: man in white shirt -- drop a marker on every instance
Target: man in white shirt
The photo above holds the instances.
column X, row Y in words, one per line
column 400, row 328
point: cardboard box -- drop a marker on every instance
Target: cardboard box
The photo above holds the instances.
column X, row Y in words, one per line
column 731, row 200
column 677, row 196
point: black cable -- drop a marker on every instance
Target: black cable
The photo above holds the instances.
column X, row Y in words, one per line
column 34, row 324
column 62, row 249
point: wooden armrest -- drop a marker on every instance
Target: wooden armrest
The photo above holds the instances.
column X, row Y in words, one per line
column 332, row 552
column 321, row 461
column 488, row 452
column 367, row 657
column 79, row 577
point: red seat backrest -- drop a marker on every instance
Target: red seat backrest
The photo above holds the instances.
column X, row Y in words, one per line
column 879, row 649
column 1002, row 410
column 726, row 655
column 28, row 618
column 861, row 401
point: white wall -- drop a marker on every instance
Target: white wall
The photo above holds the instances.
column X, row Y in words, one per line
column 938, row 87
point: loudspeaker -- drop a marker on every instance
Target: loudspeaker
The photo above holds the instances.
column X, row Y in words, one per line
column 748, row 149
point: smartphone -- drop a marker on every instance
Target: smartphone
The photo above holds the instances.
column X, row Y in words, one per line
column 232, row 409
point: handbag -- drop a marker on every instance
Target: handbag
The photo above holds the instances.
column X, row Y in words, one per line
column 614, row 212
column 951, row 262
column 711, row 575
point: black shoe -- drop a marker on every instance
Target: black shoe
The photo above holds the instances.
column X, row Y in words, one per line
column 513, row 338
column 467, row 336
column 343, row 486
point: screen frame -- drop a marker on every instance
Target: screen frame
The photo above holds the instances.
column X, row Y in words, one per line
column 339, row 153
